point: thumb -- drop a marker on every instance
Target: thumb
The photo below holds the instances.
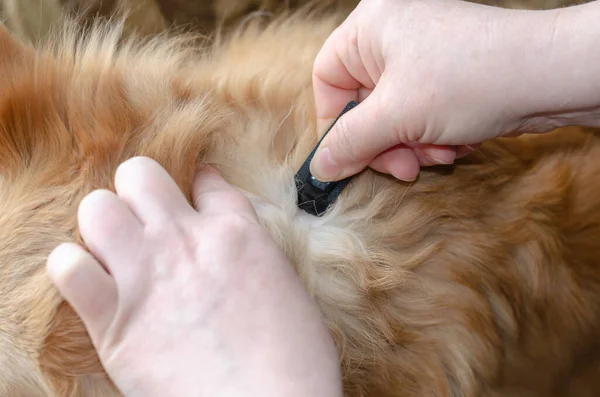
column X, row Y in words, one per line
column 355, row 140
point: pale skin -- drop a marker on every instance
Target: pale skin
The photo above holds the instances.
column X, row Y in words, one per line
column 180, row 301
column 435, row 78
column 184, row 300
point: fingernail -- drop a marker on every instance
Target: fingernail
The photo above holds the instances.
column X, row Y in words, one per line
column 441, row 156
column 436, row 160
column 405, row 178
column 323, row 166
column 473, row 147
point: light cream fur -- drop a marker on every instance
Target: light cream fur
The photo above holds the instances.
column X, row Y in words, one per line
column 476, row 280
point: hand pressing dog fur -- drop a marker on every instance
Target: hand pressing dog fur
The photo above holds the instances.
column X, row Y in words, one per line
column 480, row 279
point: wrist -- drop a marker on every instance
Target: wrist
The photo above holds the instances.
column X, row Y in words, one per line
column 556, row 82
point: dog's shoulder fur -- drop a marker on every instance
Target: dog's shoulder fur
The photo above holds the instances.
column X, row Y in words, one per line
column 480, row 279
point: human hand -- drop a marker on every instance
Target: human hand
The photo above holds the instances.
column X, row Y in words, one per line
column 191, row 303
column 433, row 79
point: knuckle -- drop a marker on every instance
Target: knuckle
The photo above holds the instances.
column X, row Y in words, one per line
column 230, row 232
column 233, row 225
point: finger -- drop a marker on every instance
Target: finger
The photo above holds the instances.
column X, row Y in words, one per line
column 359, row 136
column 429, row 155
column 465, row 150
column 329, row 102
column 399, row 161
column 109, row 229
column 149, row 190
column 212, row 194
column 85, row 285
column 333, row 85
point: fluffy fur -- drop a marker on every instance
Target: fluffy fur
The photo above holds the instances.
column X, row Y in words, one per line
column 34, row 20
column 480, row 279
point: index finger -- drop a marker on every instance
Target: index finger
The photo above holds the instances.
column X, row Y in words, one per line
column 333, row 86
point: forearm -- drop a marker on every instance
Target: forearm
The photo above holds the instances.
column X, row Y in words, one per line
column 556, row 67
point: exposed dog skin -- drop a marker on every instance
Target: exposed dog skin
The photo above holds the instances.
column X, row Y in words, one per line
column 480, row 279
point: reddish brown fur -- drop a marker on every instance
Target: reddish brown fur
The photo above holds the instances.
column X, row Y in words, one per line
column 477, row 280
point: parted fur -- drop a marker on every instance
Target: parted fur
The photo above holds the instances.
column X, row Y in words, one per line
column 479, row 279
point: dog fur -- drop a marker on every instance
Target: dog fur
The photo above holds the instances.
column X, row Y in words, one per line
column 35, row 20
column 478, row 280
